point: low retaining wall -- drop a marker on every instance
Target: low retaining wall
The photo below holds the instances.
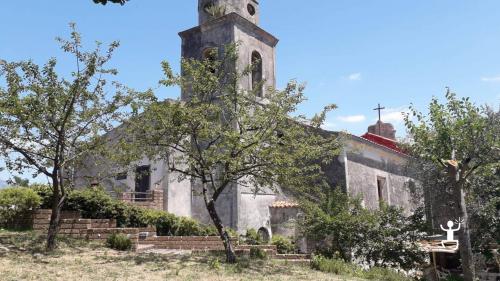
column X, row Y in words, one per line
column 92, row 229
column 201, row 243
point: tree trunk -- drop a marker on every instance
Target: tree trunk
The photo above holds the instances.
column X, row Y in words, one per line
column 465, row 247
column 57, row 203
column 230, row 255
column 464, row 240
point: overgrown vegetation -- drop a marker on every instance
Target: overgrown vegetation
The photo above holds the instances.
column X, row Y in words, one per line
column 16, row 204
column 119, row 241
column 349, row 232
column 283, row 245
column 340, row 267
column 257, row 253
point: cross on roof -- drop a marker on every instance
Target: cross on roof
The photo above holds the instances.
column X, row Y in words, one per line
column 379, row 108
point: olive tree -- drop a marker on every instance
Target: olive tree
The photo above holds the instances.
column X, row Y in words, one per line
column 460, row 138
column 222, row 135
column 48, row 121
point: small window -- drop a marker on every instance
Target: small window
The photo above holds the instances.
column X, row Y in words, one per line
column 381, row 189
column 251, row 9
column 121, row 176
column 257, row 73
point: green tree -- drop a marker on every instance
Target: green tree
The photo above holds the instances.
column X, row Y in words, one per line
column 48, row 122
column 483, row 201
column 460, row 139
column 222, row 135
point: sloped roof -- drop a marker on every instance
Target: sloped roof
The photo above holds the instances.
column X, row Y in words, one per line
column 386, row 142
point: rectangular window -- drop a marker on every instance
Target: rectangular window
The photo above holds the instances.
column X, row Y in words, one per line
column 382, row 190
column 142, row 182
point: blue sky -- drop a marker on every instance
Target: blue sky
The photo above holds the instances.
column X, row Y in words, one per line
column 354, row 53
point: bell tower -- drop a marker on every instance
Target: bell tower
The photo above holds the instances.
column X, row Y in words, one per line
column 223, row 22
column 210, row 9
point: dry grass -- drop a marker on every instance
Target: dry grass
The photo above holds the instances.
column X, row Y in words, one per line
column 80, row 261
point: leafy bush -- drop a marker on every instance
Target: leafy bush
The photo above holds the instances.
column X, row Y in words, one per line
column 15, row 205
column 283, row 244
column 252, row 237
column 341, row 267
column 257, row 253
column 45, row 193
column 384, row 238
column 119, row 242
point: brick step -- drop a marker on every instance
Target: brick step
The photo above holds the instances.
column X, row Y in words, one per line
column 292, row 257
column 262, row 247
column 144, row 247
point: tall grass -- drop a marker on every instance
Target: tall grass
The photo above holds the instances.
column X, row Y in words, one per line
column 340, row 267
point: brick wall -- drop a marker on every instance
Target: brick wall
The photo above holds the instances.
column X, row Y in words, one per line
column 92, row 229
column 202, row 243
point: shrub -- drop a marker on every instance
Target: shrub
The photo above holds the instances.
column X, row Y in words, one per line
column 340, row 267
column 45, row 193
column 16, row 204
column 334, row 266
column 119, row 242
column 283, row 244
column 257, row 253
column 252, row 237
column 384, row 237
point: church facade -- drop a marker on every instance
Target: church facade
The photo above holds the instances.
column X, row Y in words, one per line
column 370, row 166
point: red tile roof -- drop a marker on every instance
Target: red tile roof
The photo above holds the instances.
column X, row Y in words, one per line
column 389, row 143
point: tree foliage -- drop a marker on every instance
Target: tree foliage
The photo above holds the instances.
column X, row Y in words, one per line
column 459, row 138
column 347, row 231
column 48, row 121
column 220, row 134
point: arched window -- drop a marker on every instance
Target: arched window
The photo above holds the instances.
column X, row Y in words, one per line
column 257, row 73
column 210, row 54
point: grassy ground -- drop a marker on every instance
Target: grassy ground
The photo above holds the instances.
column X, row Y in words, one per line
column 77, row 260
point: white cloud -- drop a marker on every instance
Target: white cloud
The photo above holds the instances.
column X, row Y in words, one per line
column 328, row 126
column 491, row 79
column 354, row 76
column 352, row 118
column 394, row 115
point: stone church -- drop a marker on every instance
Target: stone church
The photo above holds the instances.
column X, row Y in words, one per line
column 370, row 165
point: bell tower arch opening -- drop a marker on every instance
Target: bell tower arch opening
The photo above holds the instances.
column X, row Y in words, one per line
column 257, row 73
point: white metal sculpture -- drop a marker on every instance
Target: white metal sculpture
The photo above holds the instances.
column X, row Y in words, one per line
column 450, row 234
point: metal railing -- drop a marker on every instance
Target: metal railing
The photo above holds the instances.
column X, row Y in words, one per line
column 137, row 196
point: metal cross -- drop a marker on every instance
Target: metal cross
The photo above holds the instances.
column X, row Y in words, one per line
column 379, row 110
